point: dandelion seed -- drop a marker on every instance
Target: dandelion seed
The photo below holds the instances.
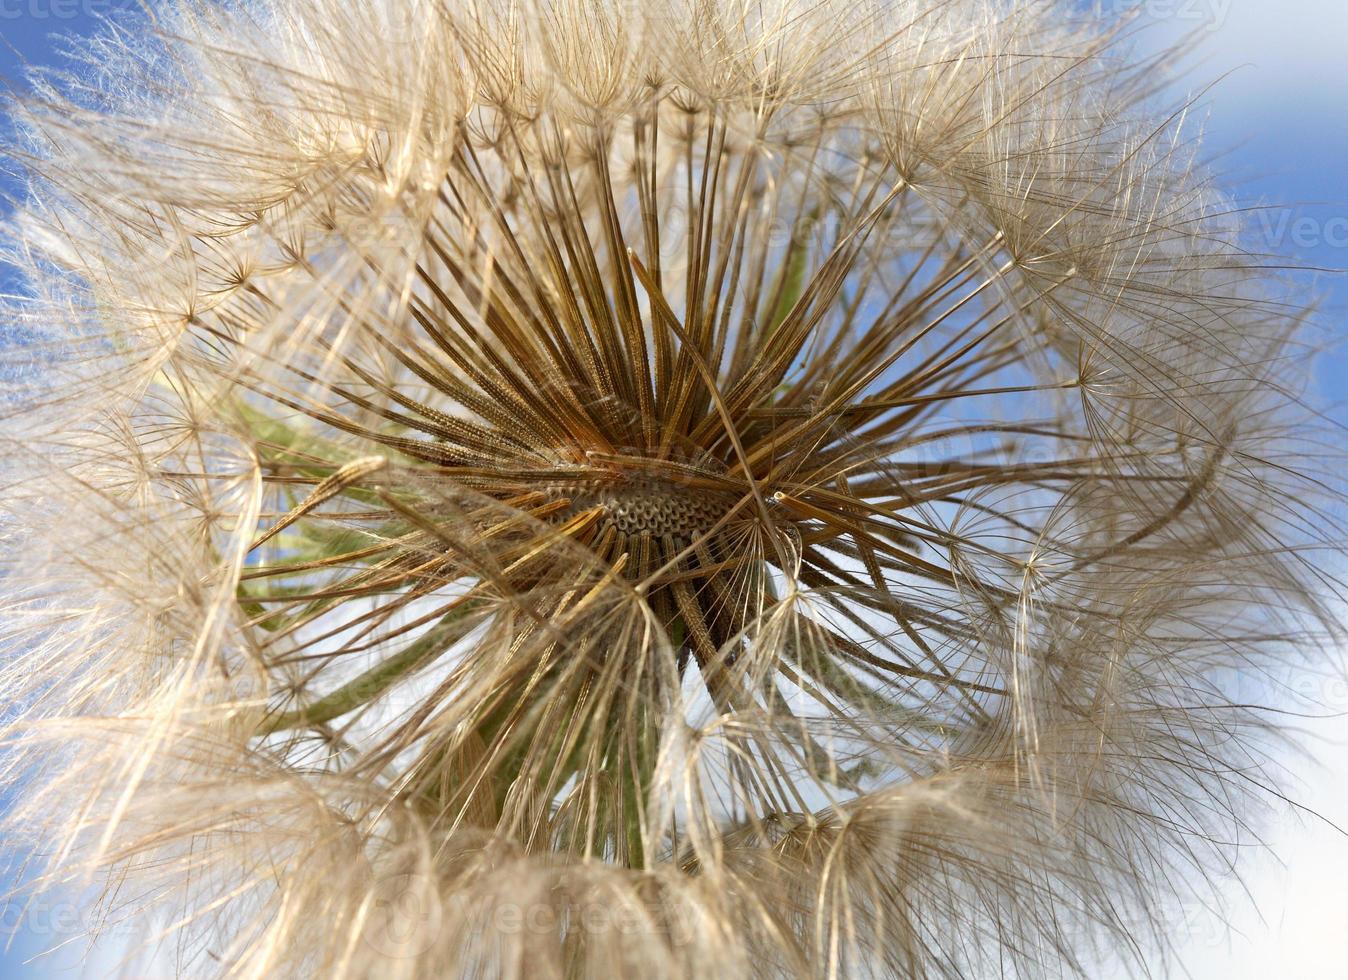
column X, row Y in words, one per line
column 701, row 488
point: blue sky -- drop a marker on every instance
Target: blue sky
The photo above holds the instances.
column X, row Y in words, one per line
column 1282, row 113
column 27, row 29
column 1280, row 118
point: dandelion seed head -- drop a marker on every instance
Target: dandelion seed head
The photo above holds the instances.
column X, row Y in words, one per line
column 690, row 488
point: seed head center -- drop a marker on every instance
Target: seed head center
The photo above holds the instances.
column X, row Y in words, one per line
column 651, row 507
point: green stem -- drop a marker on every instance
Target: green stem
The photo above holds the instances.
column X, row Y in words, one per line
column 372, row 683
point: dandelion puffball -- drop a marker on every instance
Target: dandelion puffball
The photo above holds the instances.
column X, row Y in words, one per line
column 695, row 488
